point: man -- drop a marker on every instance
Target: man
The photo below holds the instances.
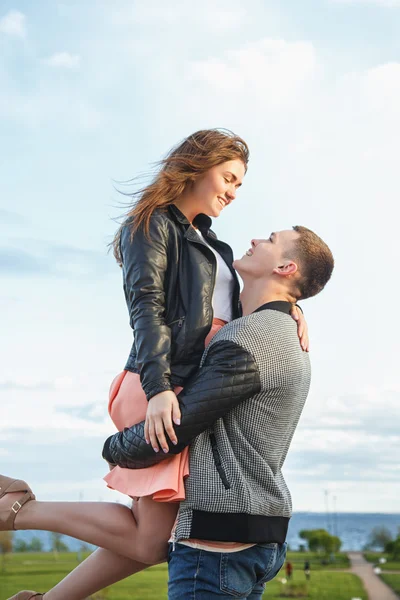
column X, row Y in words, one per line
column 289, row 569
column 239, row 413
column 307, row 570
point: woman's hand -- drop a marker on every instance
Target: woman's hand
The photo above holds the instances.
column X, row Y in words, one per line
column 302, row 328
column 162, row 410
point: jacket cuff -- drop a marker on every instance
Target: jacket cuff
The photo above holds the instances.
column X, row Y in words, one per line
column 106, row 451
column 156, row 387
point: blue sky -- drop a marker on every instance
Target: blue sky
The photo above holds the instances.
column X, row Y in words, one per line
column 97, row 92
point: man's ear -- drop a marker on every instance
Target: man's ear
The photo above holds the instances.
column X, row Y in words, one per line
column 288, row 268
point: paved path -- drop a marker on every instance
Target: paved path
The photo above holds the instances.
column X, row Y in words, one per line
column 374, row 586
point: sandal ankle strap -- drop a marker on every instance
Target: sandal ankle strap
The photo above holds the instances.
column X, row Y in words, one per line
column 14, row 510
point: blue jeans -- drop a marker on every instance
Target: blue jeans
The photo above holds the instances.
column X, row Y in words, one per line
column 201, row 575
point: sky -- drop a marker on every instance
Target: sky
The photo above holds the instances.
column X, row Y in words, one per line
column 95, row 93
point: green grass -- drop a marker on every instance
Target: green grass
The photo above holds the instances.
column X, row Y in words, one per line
column 41, row 571
column 316, row 561
column 324, row 585
column 393, row 581
column 390, row 565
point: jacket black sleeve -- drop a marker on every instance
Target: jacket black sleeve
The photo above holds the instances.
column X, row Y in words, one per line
column 228, row 376
column 145, row 262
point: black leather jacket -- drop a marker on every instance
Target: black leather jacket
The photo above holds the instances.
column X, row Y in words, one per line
column 169, row 280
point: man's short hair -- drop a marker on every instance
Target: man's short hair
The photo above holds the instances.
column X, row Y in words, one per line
column 315, row 262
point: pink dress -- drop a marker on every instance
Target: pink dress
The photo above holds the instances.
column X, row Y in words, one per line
column 127, row 405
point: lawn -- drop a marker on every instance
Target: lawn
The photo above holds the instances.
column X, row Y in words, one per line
column 41, row 571
column 393, row 581
column 390, row 565
column 317, row 561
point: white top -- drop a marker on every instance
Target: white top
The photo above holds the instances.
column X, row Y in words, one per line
column 224, row 286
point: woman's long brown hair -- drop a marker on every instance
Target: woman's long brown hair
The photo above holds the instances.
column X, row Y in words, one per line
column 183, row 164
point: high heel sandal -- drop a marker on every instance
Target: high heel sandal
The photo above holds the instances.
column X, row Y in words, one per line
column 7, row 517
column 26, row 595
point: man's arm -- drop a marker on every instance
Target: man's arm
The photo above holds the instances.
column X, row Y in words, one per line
column 228, row 376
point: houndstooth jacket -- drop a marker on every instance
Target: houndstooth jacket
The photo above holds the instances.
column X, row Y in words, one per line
column 239, row 413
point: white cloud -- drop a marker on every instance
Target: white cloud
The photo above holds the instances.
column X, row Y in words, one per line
column 13, row 23
column 324, row 143
column 382, row 89
column 337, row 438
column 54, row 102
column 247, row 85
column 49, row 260
column 8, row 218
column 212, row 15
column 271, row 69
column 386, row 3
column 308, row 495
column 66, row 404
column 64, row 60
column 26, row 386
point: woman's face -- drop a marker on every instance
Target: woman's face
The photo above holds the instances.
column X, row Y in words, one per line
column 214, row 190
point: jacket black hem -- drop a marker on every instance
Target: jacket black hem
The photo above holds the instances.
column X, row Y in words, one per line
column 238, row 527
column 175, row 379
column 106, row 454
column 157, row 387
column 131, row 369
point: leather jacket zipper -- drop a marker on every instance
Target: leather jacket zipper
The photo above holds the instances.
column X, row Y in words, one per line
column 214, row 277
column 213, row 274
column 179, row 321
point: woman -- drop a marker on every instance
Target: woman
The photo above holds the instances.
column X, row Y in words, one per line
column 177, row 278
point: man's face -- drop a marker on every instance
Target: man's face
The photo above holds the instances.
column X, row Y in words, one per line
column 265, row 255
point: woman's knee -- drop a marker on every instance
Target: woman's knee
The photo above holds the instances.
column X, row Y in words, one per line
column 153, row 524
column 152, row 553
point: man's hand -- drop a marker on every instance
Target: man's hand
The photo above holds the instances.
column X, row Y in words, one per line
column 162, row 410
column 302, row 328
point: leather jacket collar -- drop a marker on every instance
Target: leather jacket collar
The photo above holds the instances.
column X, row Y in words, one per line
column 201, row 221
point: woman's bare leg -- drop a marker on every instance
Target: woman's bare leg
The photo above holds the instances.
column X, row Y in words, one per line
column 140, row 534
column 98, row 571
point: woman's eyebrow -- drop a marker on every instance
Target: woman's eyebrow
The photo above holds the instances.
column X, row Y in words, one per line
column 233, row 176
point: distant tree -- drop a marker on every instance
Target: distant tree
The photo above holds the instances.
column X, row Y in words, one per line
column 379, row 537
column 305, row 534
column 6, row 544
column 57, row 544
column 393, row 548
column 319, row 540
column 83, row 548
column 36, row 545
column 312, row 537
column 20, row 546
column 332, row 543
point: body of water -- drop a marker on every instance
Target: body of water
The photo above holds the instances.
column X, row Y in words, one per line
column 352, row 528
